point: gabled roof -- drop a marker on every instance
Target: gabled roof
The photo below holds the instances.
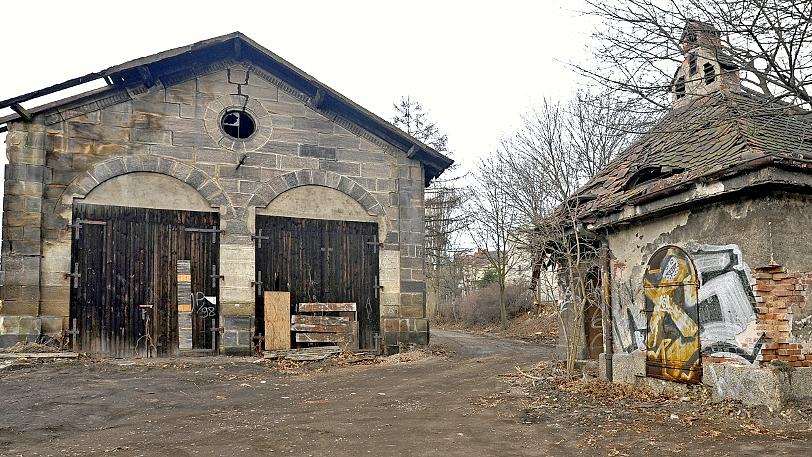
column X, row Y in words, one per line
column 185, row 62
column 715, row 136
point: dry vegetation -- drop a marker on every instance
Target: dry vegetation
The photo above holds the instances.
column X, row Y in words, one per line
column 541, row 325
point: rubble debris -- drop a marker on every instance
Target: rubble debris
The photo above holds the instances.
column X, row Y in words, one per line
column 30, row 350
column 25, row 346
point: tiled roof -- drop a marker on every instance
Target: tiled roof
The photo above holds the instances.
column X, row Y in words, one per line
column 714, row 133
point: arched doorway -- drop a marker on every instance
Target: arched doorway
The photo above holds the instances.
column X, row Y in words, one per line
column 672, row 342
column 321, row 245
column 144, row 261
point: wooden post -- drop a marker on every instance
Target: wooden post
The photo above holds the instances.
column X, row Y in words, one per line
column 277, row 320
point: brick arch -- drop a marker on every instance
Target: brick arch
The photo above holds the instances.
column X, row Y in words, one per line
column 205, row 185
column 276, row 186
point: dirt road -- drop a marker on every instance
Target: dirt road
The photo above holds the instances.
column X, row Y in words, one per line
column 449, row 406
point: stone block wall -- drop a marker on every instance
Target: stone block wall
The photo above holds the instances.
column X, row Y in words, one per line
column 22, row 230
column 172, row 130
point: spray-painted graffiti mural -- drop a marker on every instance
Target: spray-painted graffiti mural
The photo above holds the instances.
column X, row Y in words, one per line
column 629, row 321
column 727, row 305
column 672, row 340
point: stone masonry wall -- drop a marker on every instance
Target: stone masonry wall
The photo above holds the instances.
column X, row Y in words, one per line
column 173, row 131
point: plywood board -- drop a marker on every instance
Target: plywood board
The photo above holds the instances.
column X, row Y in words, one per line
column 277, row 320
column 325, row 307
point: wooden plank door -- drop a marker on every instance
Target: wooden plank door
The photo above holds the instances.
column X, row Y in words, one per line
column 124, row 292
column 321, row 261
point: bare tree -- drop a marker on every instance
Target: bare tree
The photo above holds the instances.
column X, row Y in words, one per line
column 494, row 222
column 639, row 43
column 444, row 217
column 557, row 149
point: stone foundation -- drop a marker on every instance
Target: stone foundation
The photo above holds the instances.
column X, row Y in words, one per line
column 773, row 385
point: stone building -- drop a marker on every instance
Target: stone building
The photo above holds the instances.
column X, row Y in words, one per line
column 163, row 204
column 705, row 221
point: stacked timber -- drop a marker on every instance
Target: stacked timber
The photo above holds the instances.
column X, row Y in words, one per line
column 304, row 354
column 326, row 323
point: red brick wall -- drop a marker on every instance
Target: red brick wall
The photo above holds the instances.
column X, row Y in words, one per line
column 777, row 291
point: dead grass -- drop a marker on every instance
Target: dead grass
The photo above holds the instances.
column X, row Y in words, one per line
column 528, row 326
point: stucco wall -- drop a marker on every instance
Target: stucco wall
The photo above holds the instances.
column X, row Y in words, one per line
column 731, row 243
column 173, row 131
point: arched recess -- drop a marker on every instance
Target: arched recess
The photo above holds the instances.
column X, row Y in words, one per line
column 143, row 189
column 671, row 287
column 85, row 183
column 320, row 243
column 317, row 202
column 283, row 183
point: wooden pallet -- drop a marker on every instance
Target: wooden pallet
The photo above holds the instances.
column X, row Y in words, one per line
column 326, row 323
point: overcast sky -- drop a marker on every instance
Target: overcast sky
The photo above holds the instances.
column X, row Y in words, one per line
column 476, row 65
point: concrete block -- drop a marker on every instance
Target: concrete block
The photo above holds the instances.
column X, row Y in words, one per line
column 627, row 368
column 801, row 383
column 750, row 385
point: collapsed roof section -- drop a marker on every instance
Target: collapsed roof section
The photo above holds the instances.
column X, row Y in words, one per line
column 180, row 64
column 715, row 137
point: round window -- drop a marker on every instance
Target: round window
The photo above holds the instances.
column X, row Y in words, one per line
column 238, row 124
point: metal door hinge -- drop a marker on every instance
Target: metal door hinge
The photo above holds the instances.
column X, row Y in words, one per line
column 213, row 230
column 75, row 275
column 77, row 225
column 258, row 283
column 258, row 238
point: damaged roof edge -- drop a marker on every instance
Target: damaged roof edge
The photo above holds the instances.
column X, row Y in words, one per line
column 763, row 171
column 241, row 47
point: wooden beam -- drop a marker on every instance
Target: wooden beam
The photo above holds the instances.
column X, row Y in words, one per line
column 318, row 99
column 24, row 113
column 315, row 328
column 325, row 307
column 51, row 89
column 238, row 48
column 322, row 338
column 146, row 75
column 38, row 355
column 318, row 320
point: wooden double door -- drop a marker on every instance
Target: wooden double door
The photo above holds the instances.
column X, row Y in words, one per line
column 320, row 261
column 127, row 264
